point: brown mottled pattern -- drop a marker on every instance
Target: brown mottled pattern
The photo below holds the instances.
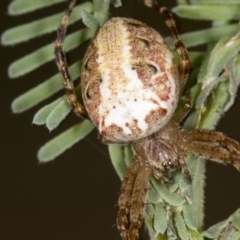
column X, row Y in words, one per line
column 148, row 47
column 90, row 81
column 149, row 57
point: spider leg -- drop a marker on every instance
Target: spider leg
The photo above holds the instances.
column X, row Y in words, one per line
column 180, row 114
column 125, row 196
column 184, row 167
column 78, row 108
column 212, row 145
column 139, row 196
column 184, row 64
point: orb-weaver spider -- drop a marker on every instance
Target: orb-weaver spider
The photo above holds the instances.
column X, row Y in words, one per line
column 131, row 86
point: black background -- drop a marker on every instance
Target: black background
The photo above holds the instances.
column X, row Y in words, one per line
column 75, row 196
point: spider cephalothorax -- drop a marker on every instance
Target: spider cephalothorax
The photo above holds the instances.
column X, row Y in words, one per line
column 131, row 86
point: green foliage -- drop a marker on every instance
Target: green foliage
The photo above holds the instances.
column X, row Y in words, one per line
column 174, row 211
column 64, row 141
column 208, row 12
column 43, row 91
column 228, row 229
column 31, row 30
column 18, row 7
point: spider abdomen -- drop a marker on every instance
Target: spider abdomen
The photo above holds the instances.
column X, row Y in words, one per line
column 129, row 80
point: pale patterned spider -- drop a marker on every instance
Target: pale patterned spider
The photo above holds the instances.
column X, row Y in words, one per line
column 131, row 86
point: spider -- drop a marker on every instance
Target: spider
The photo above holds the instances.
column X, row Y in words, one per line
column 131, row 86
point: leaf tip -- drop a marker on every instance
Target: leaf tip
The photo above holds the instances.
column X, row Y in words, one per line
column 12, row 71
column 37, row 121
column 4, row 39
column 16, row 106
column 42, row 156
column 89, row 20
column 11, row 9
column 117, row 3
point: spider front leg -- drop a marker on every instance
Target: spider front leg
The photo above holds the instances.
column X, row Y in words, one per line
column 78, row 108
column 125, row 196
column 212, row 145
column 132, row 198
column 139, row 197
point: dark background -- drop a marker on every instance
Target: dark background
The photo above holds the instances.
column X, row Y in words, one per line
column 75, row 196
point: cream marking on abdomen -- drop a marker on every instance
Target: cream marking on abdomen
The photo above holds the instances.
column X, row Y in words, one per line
column 125, row 102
